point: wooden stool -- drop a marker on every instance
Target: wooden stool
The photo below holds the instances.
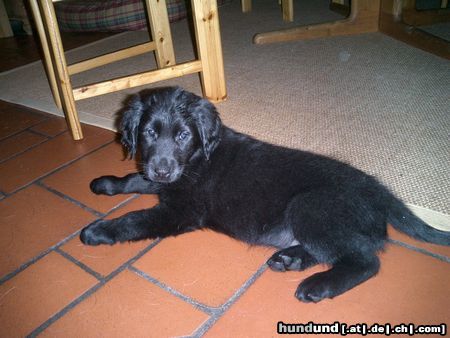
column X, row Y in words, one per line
column 209, row 50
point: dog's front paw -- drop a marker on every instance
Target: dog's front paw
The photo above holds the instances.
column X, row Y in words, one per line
column 99, row 232
column 104, row 185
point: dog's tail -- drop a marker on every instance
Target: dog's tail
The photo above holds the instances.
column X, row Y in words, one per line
column 405, row 221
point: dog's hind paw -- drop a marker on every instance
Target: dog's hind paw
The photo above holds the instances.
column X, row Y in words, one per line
column 293, row 258
column 314, row 289
column 280, row 262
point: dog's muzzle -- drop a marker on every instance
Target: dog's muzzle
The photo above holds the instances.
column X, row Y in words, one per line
column 164, row 171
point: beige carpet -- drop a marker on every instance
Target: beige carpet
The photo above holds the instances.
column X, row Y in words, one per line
column 368, row 99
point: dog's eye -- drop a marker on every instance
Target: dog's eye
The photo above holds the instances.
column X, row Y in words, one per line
column 183, row 135
column 151, row 132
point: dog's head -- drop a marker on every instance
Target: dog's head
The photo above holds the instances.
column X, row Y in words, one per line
column 169, row 126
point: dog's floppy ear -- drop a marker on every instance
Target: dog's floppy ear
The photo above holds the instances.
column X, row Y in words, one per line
column 207, row 121
column 130, row 123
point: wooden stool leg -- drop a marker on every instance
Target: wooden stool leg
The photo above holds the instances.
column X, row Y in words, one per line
column 246, row 5
column 160, row 28
column 62, row 74
column 363, row 19
column 209, row 45
column 46, row 50
column 288, row 10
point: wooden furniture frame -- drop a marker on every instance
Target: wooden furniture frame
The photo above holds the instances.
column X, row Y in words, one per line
column 209, row 63
column 363, row 18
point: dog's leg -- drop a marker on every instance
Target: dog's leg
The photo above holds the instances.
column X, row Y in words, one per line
column 344, row 275
column 292, row 258
column 134, row 226
column 132, row 183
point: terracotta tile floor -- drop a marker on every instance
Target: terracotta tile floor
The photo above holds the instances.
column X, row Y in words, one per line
column 200, row 283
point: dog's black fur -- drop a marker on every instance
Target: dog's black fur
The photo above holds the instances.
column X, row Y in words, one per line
column 313, row 208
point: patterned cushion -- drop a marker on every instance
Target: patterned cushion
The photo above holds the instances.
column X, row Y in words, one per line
column 111, row 15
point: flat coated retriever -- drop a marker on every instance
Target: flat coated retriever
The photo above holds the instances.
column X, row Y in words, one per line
column 315, row 209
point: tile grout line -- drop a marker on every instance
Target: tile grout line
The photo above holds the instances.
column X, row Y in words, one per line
column 80, row 264
column 92, row 290
column 35, row 132
column 84, row 206
column 18, row 132
column 30, row 130
column 25, row 265
column 66, row 309
column 70, row 199
column 59, row 244
column 27, row 128
column 214, row 318
column 61, row 167
column 44, row 134
column 23, row 151
column 200, row 306
column 122, row 204
column 420, row 250
column 214, row 312
column 34, row 259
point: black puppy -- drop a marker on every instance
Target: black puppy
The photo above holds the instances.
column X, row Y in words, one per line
column 313, row 208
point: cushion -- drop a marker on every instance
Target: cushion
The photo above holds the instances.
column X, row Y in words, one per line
column 111, row 15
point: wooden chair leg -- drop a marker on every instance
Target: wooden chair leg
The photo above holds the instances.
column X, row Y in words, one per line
column 363, row 18
column 160, row 28
column 48, row 63
column 60, row 64
column 209, row 46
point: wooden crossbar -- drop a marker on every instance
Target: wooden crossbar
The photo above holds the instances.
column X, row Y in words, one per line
column 136, row 80
column 111, row 57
